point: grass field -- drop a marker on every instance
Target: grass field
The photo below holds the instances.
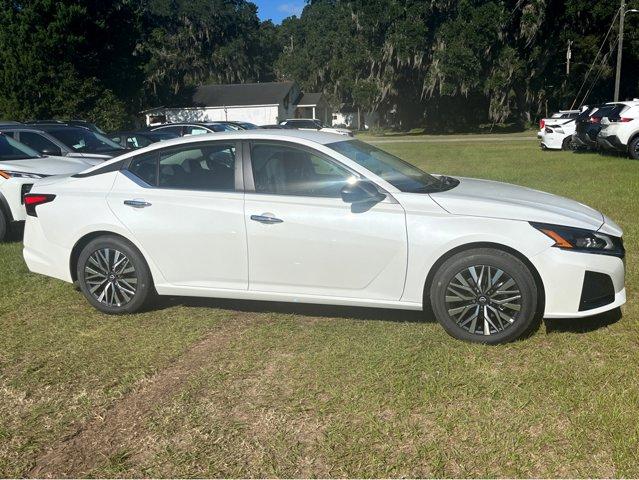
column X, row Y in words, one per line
column 226, row 388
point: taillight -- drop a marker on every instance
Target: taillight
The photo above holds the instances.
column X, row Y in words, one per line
column 542, row 124
column 625, row 119
column 595, row 119
column 32, row 200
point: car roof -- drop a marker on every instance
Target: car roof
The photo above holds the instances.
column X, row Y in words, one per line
column 321, row 138
column 21, row 127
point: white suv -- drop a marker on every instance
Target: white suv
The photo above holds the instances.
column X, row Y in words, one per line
column 20, row 167
column 620, row 133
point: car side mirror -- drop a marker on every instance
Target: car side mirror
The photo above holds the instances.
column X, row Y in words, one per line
column 361, row 191
column 55, row 151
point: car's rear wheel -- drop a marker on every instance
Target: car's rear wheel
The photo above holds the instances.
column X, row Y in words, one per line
column 113, row 276
column 633, row 148
column 567, row 143
column 485, row 295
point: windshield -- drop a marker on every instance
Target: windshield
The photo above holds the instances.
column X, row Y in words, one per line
column 85, row 141
column 400, row 174
column 11, row 149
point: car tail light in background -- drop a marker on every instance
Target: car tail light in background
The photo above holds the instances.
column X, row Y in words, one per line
column 32, row 200
column 595, row 119
column 625, row 119
column 542, row 124
column 26, row 188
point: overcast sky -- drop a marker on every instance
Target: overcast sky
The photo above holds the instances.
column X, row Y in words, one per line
column 277, row 10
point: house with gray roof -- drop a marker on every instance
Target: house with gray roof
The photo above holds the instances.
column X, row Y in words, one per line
column 259, row 103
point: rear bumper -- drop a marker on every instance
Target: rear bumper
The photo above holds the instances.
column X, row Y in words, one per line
column 611, row 143
column 570, row 289
column 582, row 140
column 43, row 256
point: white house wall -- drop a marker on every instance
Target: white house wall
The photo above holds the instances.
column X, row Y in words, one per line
column 259, row 115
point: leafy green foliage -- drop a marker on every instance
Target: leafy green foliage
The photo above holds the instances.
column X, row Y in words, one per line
column 445, row 64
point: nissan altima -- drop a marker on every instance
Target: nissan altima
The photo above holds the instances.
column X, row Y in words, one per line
column 314, row 217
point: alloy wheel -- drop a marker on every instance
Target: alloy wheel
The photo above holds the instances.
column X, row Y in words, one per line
column 110, row 277
column 483, row 300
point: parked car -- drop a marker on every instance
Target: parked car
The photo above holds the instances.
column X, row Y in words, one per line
column 71, row 123
column 318, row 218
column 276, row 127
column 620, row 131
column 197, row 128
column 134, row 140
column 588, row 125
column 20, row 167
column 559, row 118
column 314, row 124
column 64, row 141
column 558, row 136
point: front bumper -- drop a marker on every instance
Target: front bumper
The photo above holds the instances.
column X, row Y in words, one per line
column 580, row 284
column 582, row 140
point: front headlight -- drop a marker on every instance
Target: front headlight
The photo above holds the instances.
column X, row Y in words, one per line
column 581, row 240
column 14, row 174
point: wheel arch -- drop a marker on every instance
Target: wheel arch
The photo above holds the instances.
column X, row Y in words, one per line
column 84, row 241
column 497, row 246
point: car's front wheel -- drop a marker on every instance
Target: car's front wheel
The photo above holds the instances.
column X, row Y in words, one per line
column 113, row 276
column 485, row 295
column 3, row 226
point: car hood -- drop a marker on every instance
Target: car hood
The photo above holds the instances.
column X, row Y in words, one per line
column 485, row 198
column 48, row 165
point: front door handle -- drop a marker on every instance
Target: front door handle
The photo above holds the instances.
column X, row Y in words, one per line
column 266, row 218
column 137, row 203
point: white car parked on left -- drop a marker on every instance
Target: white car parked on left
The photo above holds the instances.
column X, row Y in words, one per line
column 20, row 167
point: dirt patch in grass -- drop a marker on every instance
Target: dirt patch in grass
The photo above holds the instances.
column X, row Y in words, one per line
column 103, row 437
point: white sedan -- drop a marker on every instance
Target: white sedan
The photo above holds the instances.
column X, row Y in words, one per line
column 314, row 217
column 20, row 167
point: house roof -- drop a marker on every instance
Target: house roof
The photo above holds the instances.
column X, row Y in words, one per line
column 310, row 99
column 267, row 93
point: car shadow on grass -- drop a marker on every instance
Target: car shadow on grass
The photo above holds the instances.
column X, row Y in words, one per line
column 583, row 325
column 303, row 309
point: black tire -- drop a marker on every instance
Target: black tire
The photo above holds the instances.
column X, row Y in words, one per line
column 107, row 252
column 633, row 148
column 485, row 263
column 567, row 144
column 4, row 230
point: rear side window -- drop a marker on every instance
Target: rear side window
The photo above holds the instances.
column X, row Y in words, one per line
column 146, row 168
column 194, row 167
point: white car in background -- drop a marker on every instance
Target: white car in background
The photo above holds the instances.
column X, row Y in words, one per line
column 294, row 216
column 314, row 125
column 557, row 136
column 559, row 118
column 620, row 133
column 20, row 167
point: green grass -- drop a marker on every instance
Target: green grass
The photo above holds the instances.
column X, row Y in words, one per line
column 222, row 388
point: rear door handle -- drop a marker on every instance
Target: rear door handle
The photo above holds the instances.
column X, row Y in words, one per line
column 266, row 218
column 137, row 203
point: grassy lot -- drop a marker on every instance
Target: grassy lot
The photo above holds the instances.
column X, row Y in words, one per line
column 222, row 388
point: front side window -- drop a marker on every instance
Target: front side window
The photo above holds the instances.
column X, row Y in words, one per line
column 201, row 167
column 402, row 175
column 176, row 129
column 281, row 169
